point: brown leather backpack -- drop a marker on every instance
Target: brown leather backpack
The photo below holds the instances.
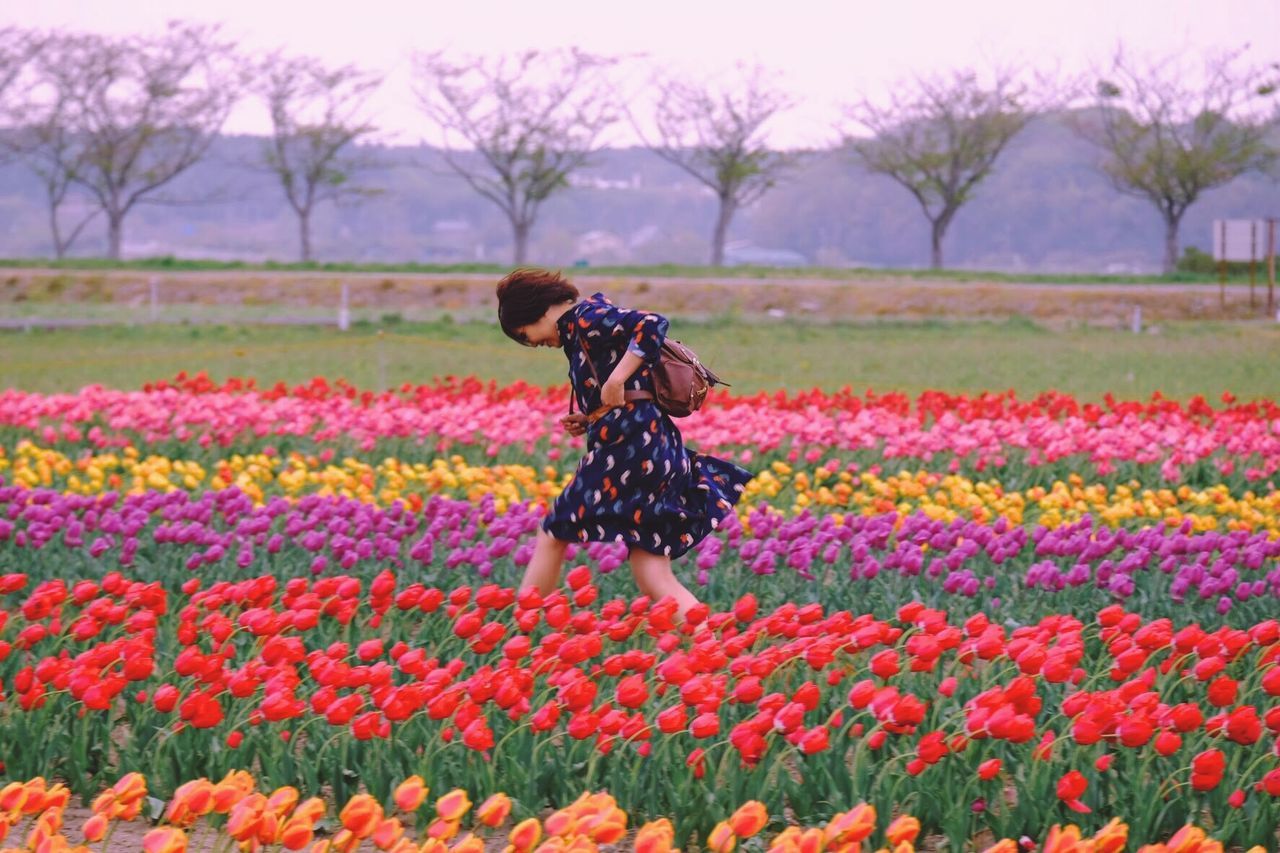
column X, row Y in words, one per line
column 680, row 381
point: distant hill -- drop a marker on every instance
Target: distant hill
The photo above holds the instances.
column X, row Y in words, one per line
column 1045, row 209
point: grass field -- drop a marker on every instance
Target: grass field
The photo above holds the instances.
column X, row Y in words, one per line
column 1179, row 360
column 1238, row 273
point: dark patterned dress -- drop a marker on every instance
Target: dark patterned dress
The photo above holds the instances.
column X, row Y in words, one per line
column 637, row 483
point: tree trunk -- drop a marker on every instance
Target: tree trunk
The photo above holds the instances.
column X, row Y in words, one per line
column 59, row 248
column 115, row 234
column 1171, row 222
column 936, row 233
column 723, row 217
column 520, row 233
column 304, row 235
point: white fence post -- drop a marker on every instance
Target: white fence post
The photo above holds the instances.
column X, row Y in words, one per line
column 1135, row 324
column 154, row 287
column 344, row 308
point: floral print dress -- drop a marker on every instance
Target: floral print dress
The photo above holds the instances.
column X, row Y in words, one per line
column 637, row 483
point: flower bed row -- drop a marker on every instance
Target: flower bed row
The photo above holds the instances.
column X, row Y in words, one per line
column 879, row 560
column 237, row 812
column 827, row 488
column 1165, row 440
column 970, row 725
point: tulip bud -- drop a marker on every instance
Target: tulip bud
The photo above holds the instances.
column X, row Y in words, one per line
column 410, row 794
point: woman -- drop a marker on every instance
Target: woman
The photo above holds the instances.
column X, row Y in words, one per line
column 637, row 483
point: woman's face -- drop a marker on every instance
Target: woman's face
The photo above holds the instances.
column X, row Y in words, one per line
column 543, row 333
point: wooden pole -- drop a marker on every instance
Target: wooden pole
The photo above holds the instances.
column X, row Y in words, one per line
column 1222, row 266
column 1253, row 253
column 1271, row 265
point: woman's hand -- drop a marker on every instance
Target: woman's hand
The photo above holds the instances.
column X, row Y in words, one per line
column 575, row 424
column 613, row 393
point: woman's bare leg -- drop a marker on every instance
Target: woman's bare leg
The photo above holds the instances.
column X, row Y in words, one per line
column 655, row 579
column 543, row 571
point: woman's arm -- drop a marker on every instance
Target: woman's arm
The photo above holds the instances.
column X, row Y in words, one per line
column 645, row 331
column 613, row 392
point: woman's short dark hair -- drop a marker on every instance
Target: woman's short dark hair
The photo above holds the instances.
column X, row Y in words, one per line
column 526, row 294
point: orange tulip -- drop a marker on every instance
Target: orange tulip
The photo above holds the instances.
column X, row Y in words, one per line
column 297, row 832
column 12, row 797
column 51, row 820
column 166, row 839
column 442, row 829
column 191, row 801
column 656, row 836
column 129, row 811
column 320, row 846
column 453, row 805
column 35, row 801
column 404, row 845
column 1112, row 838
column 131, row 788
column 433, row 845
column 610, row 830
column 345, row 841
column 1060, row 840
column 561, row 823
column 42, row 834
column 361, row 815
column 410, row 793
column 104, row 803
column 579, row 844
column 312, row 809
column 95, row 829
column 493, row 811
column 57, row 797
column 721, row 839
column 853, row 825
column 282, row 800
column 388, row 832
column 554, row 844
column 468, row 843
column 245, row 816
column 786, row 841
column 811, row 841
column 1186, row 840
column 268, row 827
column 233, row 788
column 903, row 828
column 525, row 835
column 749, row 819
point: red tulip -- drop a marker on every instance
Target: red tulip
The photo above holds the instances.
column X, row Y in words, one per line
column 1071, row 788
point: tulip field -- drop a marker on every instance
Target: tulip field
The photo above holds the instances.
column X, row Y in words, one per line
column 286, row 617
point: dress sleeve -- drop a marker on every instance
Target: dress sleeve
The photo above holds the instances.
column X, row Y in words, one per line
column 645, row 331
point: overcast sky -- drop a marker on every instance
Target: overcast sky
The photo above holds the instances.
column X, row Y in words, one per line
column 826, row 51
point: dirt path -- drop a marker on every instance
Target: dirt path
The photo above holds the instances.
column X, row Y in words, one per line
column 252, row 295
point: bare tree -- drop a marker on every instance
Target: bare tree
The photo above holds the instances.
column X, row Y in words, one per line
column 17, row 48
column 1167, row 140
column 131, row 114
column 527, row 136
column 940, row 136
column 717, row 136
column 317, row 121
column 40, row 124
column 48, row 145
